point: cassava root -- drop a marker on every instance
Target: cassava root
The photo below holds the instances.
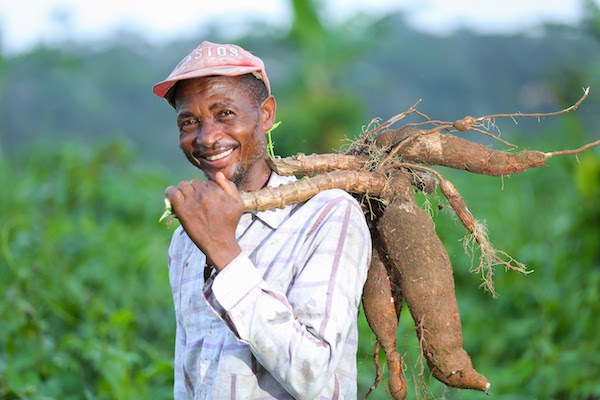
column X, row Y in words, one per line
column 305, row 188
column 427, row 285
column 382, row 304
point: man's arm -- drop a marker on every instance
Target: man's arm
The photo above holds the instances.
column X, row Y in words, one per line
column 299, row 336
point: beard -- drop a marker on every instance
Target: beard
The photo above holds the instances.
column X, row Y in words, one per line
column 240, row 173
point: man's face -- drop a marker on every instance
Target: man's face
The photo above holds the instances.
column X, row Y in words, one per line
column 222, row 129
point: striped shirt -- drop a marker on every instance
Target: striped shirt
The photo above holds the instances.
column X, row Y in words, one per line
column 280, row 320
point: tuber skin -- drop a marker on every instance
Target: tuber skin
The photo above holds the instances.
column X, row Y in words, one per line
column 296, row 192
column 301, row 164
column 389, row 138
column 437, row 148
column 382, row 308
column 427, row 284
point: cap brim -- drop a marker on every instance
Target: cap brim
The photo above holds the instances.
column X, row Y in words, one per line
column 161, row 88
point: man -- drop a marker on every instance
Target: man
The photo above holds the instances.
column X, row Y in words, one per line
column 266, row 303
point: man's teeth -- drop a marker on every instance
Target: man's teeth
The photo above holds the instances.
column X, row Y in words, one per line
column 218, row 156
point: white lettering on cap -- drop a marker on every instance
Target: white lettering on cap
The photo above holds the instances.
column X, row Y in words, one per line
column 208, row 51
column 211, row 51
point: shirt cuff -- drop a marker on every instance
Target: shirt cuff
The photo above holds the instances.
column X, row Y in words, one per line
column 234, row 282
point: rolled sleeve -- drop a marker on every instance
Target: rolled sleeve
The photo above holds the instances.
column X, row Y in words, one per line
column 235, row 281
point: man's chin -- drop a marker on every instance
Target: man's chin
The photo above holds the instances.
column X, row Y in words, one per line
column 236, row 177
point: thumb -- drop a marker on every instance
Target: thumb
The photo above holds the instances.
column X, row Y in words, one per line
column 228, row 186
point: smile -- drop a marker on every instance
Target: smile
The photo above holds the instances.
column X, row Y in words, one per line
column 219, row 156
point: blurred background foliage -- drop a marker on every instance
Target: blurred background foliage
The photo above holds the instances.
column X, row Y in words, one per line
column 86, row 151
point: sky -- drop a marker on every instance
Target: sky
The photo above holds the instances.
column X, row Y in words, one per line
column 24, row 24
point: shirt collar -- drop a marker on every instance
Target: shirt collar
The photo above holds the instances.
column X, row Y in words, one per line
column 274, row 216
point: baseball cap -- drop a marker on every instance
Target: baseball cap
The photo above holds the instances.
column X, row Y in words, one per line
column 214, row 59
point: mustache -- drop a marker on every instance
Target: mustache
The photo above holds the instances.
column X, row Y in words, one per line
column 217, row 147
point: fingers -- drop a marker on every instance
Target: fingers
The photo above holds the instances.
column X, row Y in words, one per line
column 177, row 195
column 228, row 186
column 173, row 194
column 198, row 187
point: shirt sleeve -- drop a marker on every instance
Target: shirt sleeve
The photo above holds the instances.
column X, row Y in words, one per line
column 299, row 336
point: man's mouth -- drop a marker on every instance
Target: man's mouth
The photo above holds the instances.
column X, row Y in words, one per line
column 218, row 156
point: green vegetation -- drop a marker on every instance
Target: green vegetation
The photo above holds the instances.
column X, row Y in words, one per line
column 85, row 303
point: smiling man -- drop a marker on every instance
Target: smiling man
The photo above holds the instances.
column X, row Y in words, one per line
column 266, row 303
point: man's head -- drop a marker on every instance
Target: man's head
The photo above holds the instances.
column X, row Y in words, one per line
column 223, row 111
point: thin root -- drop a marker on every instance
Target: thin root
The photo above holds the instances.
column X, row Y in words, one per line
column 378, row 371
column 570, row 152
column 489, row 257
column 392, row 121
column 586, row 91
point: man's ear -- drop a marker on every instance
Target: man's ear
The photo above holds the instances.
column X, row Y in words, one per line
column 268, row 109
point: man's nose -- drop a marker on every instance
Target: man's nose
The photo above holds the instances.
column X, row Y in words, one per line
column 208, row 135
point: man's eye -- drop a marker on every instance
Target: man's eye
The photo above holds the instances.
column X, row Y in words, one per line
column 225, row 113
column 188, row 123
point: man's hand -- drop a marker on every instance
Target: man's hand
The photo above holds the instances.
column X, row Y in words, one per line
column 209, row 212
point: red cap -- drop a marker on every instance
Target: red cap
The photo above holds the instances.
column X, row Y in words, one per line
column 214, row 59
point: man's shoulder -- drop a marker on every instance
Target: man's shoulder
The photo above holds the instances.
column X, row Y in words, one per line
column 335, row 200
column 335, row 212
column 334, row 195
